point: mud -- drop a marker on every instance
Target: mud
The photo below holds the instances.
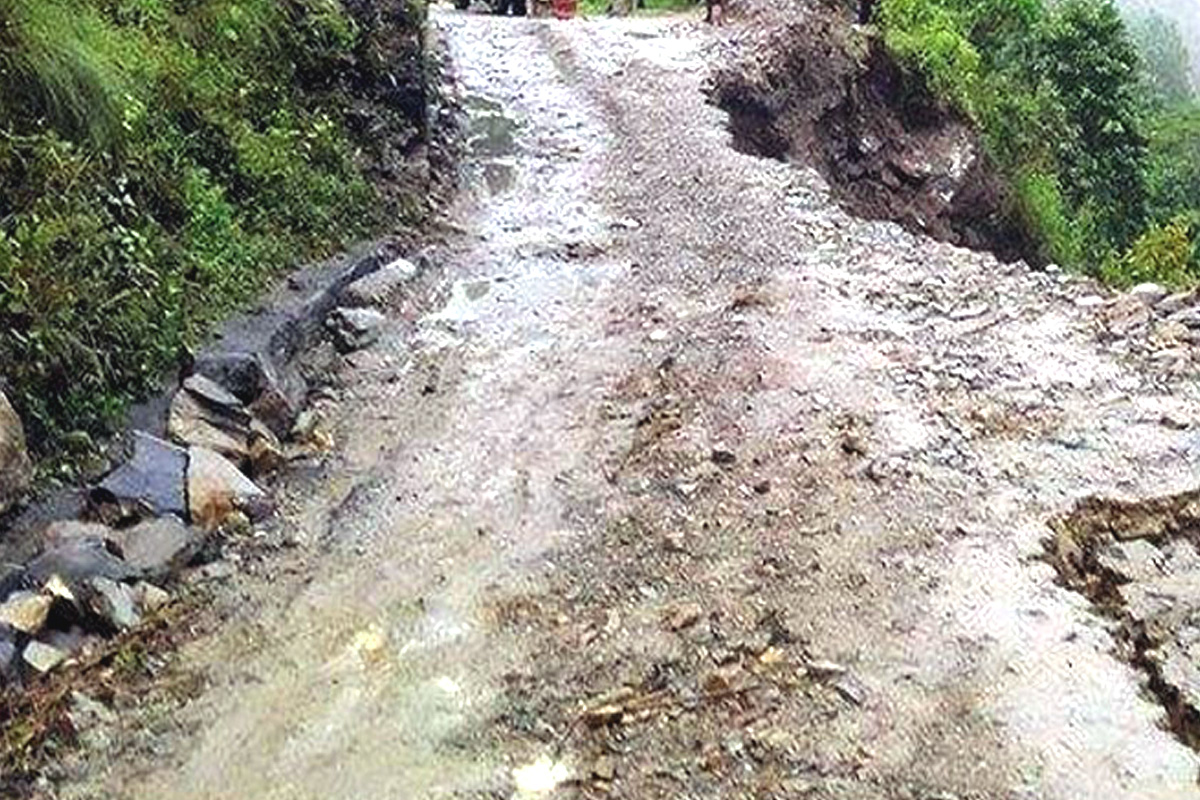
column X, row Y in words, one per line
column 1138, row 561
column 820, row 92
column 682, row 482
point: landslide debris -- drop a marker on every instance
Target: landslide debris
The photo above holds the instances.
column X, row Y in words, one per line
column 1138, row 561
column 822, row 93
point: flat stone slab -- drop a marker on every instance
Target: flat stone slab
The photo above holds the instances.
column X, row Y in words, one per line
column 153, row 477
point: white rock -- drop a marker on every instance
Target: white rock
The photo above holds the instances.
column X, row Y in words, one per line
column 43, row 657
column 26, row 611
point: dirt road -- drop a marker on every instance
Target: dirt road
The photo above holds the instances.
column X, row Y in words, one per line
column 684, row 484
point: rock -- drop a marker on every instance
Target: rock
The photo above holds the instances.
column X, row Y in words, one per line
column 152, row 480
column 78, row 561
column 213, row 394
column 26, row 611
column 113, row 602
column 43, row 657
column 1174, row 303
column 272, row 394
column 205, row 415
column 683, row 616
column 1132, row 560
column 1175, row 420
column 216, row 571
column 216, row 489
column 1162, row 604
column 89, row 718
column 1148, row 293
column 971, row 311
column 822, row 670
column 604, row 769
column 68, row 531
column 1169, row 332
column 354, row 328
column 381, row 287
column 8, row 660
column 159, row 547
column 1125, row 315
column 1188, row 316
column 16, row 470
column 723, row 457
column 14, row 578
column 150, row 598
column 851, row 689
column 221, row 429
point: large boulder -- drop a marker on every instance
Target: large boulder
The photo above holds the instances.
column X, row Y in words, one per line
column 16, row 470
column 216, row 489
column 151, row 481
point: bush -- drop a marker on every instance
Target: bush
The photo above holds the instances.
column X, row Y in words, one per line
column 160, row 160
column 1055, row 90
column 1164, row 254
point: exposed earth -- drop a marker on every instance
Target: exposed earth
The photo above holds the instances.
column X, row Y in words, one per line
column 676, row 480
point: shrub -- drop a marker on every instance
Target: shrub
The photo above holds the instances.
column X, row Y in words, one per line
column 160, row 160
column 1164, row 254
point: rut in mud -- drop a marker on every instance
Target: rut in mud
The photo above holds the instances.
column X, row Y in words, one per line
column 682, row 482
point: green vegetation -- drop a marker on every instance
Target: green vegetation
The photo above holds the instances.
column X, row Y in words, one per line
column 1094, row 123
column 159, row 161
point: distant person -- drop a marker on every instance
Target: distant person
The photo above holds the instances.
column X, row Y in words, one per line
column 866, row 10
column 714, row 11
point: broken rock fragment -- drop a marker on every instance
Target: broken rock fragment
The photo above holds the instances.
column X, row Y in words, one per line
column 42, row 657
column 151, row 480
column 113, row 602
column 26, row 611
column 158, row 547
column 272, row 394
column 354, row 328
column 205, row 415
column 216, row 489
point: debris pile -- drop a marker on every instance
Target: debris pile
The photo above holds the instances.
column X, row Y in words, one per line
column 236, row 419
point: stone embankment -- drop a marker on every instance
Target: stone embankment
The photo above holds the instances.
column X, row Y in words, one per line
column 160, row 517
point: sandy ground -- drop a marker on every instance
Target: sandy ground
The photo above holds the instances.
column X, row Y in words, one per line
column 683, row 483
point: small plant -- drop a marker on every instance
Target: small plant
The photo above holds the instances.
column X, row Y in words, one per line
column 1164, row 254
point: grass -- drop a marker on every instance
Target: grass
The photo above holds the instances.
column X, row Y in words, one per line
column 160, row 161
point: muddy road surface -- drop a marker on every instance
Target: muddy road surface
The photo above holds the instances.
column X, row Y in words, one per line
column 682, row 483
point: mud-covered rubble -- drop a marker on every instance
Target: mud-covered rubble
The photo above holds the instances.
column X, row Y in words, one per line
column 166, row 514
column 1138, row 561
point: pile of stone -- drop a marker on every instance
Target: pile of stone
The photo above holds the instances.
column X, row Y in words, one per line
column 236, row 418
column 1150, row 318
column 146, row 521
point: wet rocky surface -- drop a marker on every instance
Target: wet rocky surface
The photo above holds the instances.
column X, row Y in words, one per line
column 674, row 479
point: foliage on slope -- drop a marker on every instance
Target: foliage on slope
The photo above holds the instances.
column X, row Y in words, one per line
column 1094, row 124
column 161, row 159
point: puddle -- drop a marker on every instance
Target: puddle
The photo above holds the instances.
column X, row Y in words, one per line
column 489, row 131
